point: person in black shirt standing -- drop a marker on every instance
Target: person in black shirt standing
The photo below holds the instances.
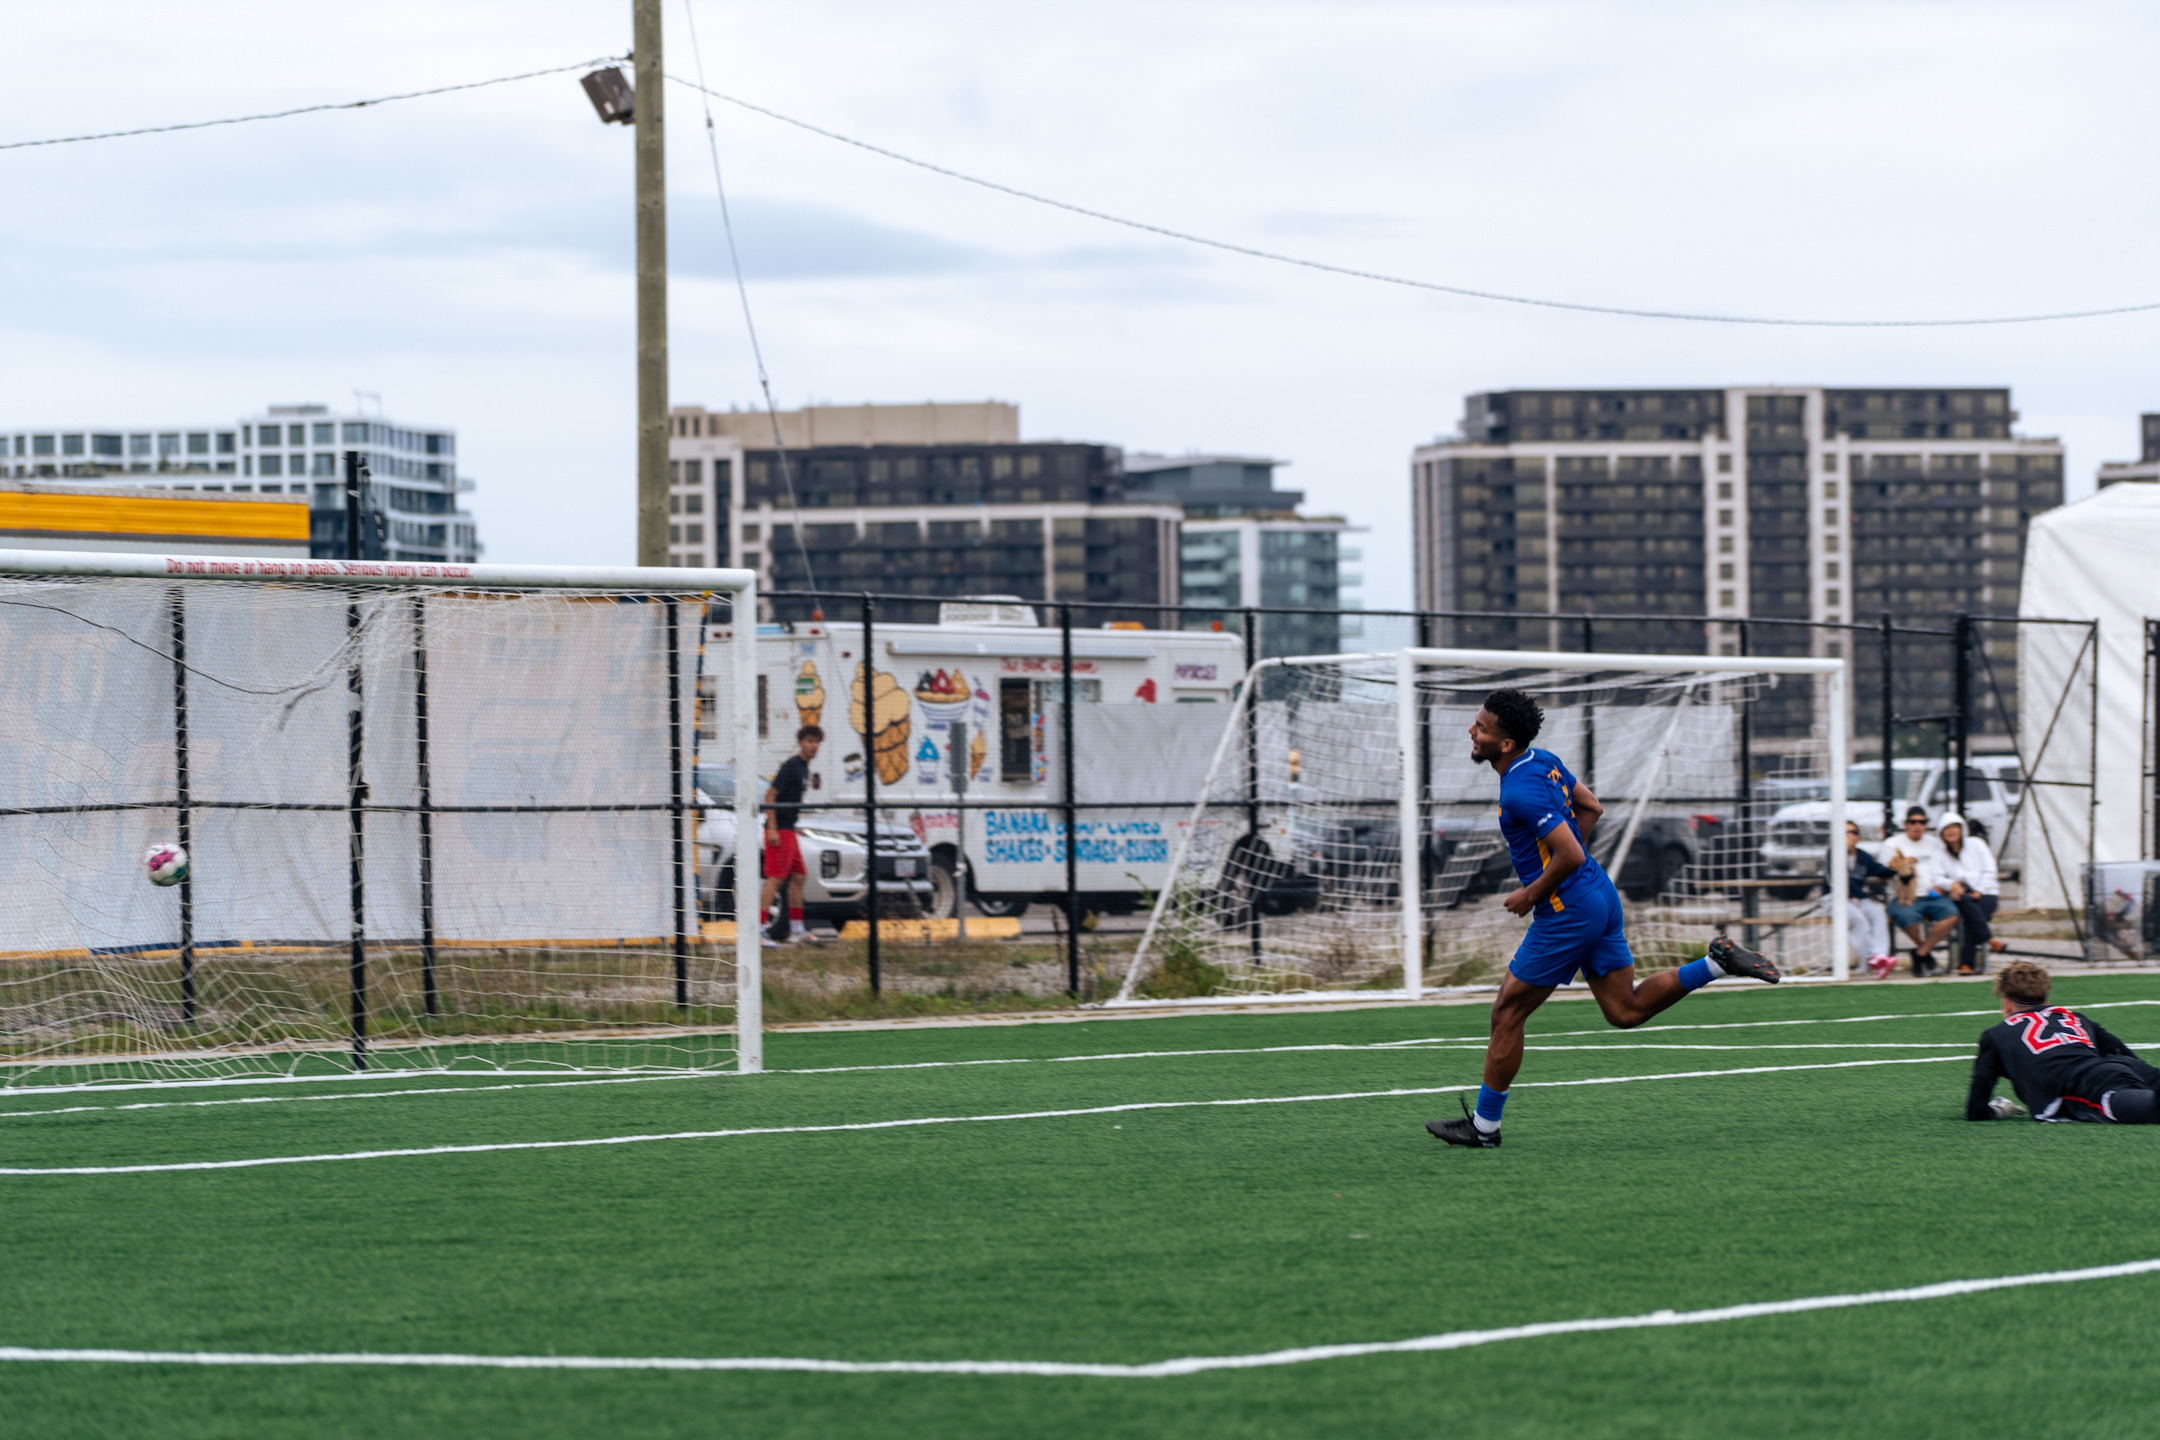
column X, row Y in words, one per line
column 2063, row 1065
column 783, row 853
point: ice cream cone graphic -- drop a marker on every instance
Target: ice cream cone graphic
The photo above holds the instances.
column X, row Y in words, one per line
column 878, row 710
column 809, row 694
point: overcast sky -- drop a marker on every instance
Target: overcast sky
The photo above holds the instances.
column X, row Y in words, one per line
column 469, row 256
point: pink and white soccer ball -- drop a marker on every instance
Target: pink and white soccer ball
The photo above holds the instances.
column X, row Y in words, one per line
column 166, row 862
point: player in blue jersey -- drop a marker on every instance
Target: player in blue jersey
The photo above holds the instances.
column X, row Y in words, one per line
column 1546, row 816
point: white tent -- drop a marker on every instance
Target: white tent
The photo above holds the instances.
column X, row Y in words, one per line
column 2096, row 560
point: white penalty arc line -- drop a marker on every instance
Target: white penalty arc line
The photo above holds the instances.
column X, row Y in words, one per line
column 1157, row 1370
column 256, row 1162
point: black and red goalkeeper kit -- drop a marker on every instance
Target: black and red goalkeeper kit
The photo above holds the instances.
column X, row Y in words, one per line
column 2064, row 1066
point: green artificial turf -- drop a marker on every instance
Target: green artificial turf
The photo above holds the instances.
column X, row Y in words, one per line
column 1124, row 1237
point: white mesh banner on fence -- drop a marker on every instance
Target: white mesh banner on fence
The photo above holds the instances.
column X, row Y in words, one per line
column 425, row 826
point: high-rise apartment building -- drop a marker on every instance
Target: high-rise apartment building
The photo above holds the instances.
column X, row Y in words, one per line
column 282, row 450
column 2146, row 466
column 932, row 500
column 1753, row 503
column 1245, row 545
column 1293, row 564
column 1210, row 487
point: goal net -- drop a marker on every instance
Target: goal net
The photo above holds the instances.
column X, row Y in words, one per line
column 436, row 817
column 1720, row 780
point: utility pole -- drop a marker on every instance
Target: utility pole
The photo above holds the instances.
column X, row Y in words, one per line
column 652, row 346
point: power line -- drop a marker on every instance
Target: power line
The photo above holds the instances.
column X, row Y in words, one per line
column 307, row 109
column 1145, row 227
column 742, row 291
column 1386, row 279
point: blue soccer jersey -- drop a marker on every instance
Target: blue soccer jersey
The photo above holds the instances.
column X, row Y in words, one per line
column 1536, row 798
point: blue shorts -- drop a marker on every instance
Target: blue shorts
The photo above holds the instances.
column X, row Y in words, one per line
column 1586, row 935
column 1924, row 907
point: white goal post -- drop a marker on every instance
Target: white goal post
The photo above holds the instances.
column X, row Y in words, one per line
column 1290, row 879
column 437, row 816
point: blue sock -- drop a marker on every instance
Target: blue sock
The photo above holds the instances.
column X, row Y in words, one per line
column 1697, row 973
column 1490, row 1103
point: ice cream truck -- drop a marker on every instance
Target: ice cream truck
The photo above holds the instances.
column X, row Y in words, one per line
column 1149, row 708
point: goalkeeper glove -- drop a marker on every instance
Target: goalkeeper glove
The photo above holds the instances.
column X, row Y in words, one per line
column 2003, row 1109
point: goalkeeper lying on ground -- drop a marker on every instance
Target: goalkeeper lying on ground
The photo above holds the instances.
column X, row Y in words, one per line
column 2062, row 1065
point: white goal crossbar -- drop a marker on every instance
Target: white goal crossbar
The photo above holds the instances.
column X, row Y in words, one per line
column 1402, row 668
column 740, row 585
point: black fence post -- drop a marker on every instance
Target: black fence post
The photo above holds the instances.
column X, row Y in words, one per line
column 1589, row 739
column 424, row 772
column 870, row 779
column 1428, row 868
column 1889, row 726
column 1072, row 808
column 354, row 504
column 1964, row 643
column 356, row 816
column 184, row 807
column 675, row 796
column 2152, row 650
column 1751, row 866
column 1251, row 900
column 355, row 774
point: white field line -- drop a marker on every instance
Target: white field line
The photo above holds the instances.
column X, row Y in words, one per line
column 256, row 1162
column 345, row 1095
column 1417, row 1047
column 85, row 1087
column 1437, row 1042
column 1059, row 1369
column 615, row 1077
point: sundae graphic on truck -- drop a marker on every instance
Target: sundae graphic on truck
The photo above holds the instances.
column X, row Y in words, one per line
column 944, row 696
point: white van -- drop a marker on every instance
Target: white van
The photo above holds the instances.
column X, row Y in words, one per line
column 1798, row 838
column 1150, row 707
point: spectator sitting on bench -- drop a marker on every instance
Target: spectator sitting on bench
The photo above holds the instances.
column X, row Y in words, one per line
column 1970, row 867
column 1920, row 907
column 1865, row 922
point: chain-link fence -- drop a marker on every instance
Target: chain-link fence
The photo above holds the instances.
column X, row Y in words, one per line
column 960, row 762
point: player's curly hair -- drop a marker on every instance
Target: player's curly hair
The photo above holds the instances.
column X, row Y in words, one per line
column 2022, row 981
column 1520, row 716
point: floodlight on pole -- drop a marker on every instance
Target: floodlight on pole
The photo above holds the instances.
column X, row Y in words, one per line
column 611, row 95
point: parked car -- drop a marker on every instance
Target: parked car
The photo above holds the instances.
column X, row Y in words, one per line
column 1255, row 879
column 836, row 886
column 1798, row 841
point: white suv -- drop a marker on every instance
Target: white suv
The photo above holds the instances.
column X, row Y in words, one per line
column 1798, row 839
column 836, row 885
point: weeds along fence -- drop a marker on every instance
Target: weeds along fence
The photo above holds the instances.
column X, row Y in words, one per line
column 1087, row 730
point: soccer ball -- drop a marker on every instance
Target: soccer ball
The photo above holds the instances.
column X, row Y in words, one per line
column 166, row 862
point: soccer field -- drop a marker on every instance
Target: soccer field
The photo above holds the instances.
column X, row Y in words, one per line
column 1109, row 1194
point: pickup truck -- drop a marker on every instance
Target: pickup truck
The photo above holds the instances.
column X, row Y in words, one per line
column 1798, row 835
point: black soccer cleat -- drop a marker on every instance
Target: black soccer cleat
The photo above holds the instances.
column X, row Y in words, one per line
column 1463, row 1132
column 1746, row 963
